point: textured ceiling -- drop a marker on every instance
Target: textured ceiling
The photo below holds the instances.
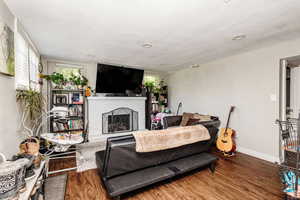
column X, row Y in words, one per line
column 182, row 32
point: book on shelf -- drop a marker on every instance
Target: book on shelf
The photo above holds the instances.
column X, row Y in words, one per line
column 75, row 110
column 76, row 98
column 75, row 124
column 58, row 126
column 69, row 126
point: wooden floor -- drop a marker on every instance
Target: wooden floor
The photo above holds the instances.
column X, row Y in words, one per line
column 241, row 177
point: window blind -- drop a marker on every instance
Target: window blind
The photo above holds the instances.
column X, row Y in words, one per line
column 33, row 69
column 21, row 63
column 26, row 61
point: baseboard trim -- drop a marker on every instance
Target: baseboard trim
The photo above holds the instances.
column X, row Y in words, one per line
column 258, row 154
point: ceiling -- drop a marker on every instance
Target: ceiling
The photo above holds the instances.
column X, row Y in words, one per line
column 182, row 32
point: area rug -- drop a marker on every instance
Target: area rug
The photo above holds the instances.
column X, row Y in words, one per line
column 55, row 187
column 85, row 155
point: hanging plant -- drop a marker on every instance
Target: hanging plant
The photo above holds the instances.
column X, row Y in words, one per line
column 31, row 101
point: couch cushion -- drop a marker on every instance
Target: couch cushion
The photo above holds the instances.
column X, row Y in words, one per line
column 185, row 118
column 138, row 179
column 192, row 122
column 194, row 117
column 192, row 162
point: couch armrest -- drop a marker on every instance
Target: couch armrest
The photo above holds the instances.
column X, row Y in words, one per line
column 170, row 121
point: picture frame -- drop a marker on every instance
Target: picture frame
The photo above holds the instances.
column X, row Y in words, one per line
column 7, row 50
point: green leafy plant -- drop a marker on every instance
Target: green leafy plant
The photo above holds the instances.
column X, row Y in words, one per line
column 32, row 102
column 150, row 84
column 56, row 78
column 78, row 80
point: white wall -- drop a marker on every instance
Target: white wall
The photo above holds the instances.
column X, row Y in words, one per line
column 246, row 81
column 9, row 115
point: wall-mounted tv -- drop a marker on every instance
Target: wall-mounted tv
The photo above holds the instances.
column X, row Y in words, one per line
column 115, row 79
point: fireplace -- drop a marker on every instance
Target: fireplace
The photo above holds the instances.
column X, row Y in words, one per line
column 119, row 120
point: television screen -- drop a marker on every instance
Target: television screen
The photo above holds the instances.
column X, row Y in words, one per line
column 113, row 79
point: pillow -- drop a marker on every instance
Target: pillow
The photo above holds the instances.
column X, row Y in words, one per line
column 185, row 118
column 192, row 121
column 202, row 118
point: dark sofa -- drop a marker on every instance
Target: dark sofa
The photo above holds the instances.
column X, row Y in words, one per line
column 122, row 169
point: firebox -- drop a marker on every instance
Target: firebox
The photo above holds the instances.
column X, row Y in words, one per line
column 119, row 120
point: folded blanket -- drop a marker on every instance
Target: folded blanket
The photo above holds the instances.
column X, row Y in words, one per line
column 156, row 140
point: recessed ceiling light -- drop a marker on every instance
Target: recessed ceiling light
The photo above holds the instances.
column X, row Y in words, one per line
column 239, row 37
column 147, row 45
column 227, row 1
column 195, row 66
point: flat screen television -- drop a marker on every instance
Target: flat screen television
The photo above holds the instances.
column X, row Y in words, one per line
column 114, row 79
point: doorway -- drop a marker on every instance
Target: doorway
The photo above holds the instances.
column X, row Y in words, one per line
column 289, row 87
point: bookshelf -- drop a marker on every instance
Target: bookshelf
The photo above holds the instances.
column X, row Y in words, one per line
column 74, row 100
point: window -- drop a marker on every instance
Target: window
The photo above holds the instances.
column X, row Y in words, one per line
column 68, row 71
column 21, row 66
column 151, row 78
column 27, row 62
column 33, row 70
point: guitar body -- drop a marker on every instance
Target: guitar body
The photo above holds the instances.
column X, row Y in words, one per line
column 225, row 140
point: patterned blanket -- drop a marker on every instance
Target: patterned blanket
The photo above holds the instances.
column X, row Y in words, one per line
column 157, row 140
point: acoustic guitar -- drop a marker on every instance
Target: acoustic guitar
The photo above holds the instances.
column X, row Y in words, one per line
column 225, row 141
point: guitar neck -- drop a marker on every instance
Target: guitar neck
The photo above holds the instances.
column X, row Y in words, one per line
column 228, row 119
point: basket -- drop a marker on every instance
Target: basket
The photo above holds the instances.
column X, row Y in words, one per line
column 30, row 146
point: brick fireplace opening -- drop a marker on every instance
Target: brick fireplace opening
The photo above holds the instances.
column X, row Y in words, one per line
column 119, row 120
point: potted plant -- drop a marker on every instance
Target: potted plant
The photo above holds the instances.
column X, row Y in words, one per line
column 58, row 80
column 32, row 103
column 150, row 85
column 79, row 81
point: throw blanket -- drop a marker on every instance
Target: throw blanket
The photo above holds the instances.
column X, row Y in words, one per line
column 156, row 140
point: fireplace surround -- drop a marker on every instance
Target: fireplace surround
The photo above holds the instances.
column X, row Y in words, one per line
column 98, row 106
column 119, row 120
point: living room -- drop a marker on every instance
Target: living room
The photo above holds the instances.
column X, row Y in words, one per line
column 149, row 100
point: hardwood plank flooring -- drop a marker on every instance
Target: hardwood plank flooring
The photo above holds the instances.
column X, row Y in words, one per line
column 240, row 177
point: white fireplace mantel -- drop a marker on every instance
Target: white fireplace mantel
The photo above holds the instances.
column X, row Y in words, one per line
column 99, row 104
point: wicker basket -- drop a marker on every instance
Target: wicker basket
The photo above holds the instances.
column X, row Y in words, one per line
column 30, row 146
